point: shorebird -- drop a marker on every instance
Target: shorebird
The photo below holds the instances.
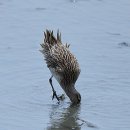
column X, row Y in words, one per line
column 62, row 64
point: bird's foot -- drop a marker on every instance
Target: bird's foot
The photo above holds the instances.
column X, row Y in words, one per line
column 55, row 95
column 61, row 97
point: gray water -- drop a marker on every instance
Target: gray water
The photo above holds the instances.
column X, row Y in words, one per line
column 99, row 34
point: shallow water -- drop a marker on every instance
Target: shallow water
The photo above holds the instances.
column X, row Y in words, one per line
column 97, row 31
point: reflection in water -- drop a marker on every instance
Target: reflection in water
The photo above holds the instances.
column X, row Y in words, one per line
column 64, row 118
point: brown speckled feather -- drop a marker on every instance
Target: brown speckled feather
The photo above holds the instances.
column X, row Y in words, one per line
column 61, row 62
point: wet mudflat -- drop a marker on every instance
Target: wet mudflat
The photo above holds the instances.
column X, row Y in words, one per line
column 98, row 31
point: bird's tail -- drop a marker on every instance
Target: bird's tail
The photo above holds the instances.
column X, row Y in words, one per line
column 50, row 40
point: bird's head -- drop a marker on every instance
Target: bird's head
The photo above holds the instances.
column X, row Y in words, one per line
column 74, row 95
column 75, row 98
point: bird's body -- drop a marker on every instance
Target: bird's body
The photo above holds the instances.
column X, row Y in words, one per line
column 62, row 64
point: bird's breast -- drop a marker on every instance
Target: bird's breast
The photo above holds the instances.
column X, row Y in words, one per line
column 55, row 74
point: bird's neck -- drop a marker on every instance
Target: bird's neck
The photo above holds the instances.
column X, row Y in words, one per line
column 70, row 91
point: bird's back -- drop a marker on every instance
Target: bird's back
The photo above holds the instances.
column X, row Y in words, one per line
column 61, row 62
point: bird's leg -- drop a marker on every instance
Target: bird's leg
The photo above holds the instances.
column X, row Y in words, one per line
column 54, row 92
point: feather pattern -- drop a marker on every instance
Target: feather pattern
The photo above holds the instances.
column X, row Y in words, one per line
column 61, row 62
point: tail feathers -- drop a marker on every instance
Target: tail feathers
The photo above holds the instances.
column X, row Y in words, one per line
column 50, row 39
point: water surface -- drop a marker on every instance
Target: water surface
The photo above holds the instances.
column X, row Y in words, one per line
column 97, row 31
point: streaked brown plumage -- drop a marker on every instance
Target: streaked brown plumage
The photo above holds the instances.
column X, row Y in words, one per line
column 62, row 64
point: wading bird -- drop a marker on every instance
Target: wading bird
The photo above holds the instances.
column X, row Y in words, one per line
column 62, row 64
